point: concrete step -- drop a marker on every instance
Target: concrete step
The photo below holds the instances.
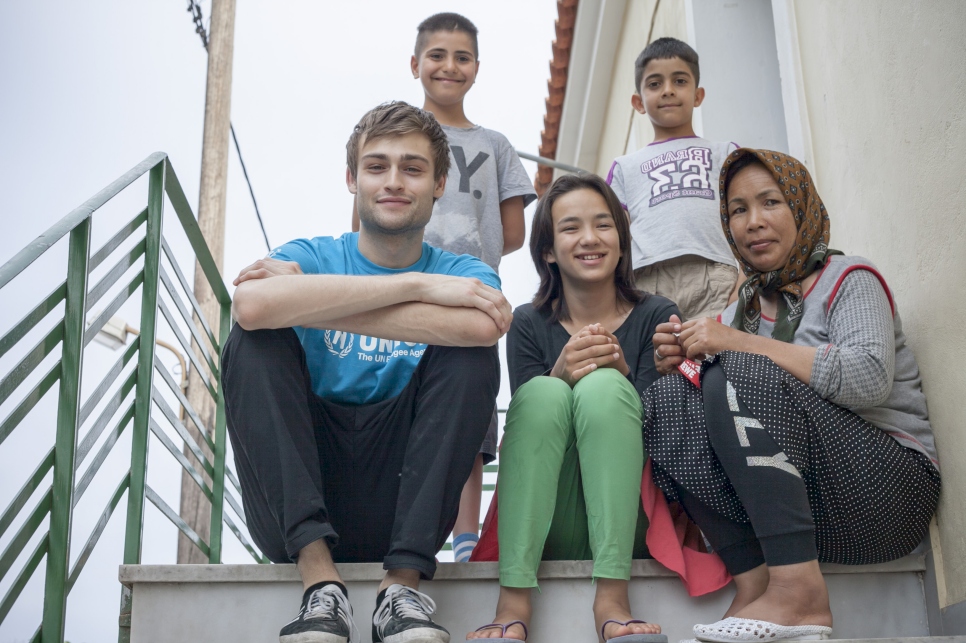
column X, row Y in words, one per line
column 909, row 639
column 177, row 603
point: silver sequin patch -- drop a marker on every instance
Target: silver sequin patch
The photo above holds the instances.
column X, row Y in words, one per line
column 732, row 397
column 779, row 461
column 745, row 423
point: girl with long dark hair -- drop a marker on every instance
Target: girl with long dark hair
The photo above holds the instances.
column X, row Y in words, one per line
column 579, row 357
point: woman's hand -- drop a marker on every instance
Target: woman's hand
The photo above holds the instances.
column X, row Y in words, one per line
column 704, row 337
column 698, row 338
column 586, row 351
column 668, row 352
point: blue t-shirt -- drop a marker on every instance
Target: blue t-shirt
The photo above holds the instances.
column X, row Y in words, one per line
column 355, row 369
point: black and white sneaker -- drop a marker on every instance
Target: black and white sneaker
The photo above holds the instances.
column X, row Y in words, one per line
column 403, row 616
column 325, row 617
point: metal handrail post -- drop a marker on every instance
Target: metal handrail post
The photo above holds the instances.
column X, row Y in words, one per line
column 145, row 382
column 69, row 335
column 221, row 451
column 65, row 445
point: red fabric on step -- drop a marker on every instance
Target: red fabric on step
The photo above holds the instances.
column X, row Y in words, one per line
column 673, row 540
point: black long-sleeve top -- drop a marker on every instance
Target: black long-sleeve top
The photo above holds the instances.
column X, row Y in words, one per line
column 534, row 342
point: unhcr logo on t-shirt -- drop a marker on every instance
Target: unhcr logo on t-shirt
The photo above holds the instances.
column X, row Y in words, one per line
column 339, row 345
column 371, row 349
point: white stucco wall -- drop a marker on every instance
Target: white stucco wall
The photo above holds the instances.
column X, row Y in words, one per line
column 885, row 85
column 739, row 73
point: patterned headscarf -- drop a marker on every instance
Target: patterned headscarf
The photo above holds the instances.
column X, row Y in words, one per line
column 809, row 254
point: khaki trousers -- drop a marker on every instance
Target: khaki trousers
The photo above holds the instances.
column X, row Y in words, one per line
column 700, row 287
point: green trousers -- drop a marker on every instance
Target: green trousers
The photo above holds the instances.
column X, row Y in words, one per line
column 570, row 477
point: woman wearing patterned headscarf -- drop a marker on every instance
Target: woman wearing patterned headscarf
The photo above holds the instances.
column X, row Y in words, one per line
column 808, row 439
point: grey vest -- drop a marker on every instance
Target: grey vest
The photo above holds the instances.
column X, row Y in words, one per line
column 903, row 415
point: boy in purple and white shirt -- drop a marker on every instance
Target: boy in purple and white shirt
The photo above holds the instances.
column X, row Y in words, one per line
column 670, row 188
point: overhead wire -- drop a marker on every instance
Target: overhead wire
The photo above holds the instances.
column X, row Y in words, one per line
column 195, row 10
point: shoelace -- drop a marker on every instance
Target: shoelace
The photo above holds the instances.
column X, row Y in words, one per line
column 330, row 602
column 407, row 603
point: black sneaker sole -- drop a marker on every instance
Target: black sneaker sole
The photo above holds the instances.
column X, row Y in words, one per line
column 313, row 637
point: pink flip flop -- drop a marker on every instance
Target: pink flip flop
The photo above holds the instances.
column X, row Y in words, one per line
column 504, row 628
column 631, row 638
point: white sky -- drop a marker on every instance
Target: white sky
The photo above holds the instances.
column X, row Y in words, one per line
column 88, row 89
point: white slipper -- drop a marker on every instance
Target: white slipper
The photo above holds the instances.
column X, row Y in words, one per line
column 741, row 630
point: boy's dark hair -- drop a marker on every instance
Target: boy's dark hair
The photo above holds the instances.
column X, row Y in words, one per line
column 662, row 49
column 445, row 22
column 549, row 295
column 397, row 118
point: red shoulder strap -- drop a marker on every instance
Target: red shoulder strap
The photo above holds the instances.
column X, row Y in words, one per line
column 859, row 266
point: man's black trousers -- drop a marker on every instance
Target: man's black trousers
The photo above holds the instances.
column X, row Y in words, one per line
column 378, row 482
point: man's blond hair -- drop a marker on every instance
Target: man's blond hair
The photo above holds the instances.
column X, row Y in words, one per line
column 397, row 118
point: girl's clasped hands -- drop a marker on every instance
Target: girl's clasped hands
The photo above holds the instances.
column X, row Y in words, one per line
column 590, row 348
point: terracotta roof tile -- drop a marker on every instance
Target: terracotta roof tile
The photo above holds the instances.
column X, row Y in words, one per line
column 561, row 55
column 550, row 128
column 556, row 89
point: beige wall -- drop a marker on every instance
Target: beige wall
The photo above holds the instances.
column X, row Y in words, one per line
column 885, row 86
column 624, row 129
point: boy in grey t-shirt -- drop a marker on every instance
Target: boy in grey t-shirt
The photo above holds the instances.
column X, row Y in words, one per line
column 481, row 211
column 486, row 181
column 670, row 188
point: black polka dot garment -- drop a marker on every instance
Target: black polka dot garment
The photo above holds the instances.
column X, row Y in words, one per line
column 871, row 498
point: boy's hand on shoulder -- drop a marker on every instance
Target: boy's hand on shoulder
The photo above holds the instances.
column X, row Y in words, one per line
column 267, row 267
column 466, row 292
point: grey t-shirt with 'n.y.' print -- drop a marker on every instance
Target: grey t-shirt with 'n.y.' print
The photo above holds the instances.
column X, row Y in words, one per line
column 484, row 171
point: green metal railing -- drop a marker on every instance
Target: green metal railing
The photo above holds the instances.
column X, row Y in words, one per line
column 133, row 399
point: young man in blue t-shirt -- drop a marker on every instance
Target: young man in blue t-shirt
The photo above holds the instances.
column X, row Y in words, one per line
column 359, row 384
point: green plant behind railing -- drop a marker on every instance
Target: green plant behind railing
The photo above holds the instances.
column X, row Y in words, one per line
column 143, row 413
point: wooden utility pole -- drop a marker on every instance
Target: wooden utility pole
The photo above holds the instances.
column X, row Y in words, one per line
column 195, row 507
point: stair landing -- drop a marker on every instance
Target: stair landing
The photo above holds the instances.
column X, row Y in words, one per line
column 177, row 603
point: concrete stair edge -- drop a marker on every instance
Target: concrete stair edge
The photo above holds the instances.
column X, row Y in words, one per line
column 908, row 639
column 362, row 572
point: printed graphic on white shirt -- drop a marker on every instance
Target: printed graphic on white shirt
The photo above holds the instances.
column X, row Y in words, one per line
column 680, row 173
